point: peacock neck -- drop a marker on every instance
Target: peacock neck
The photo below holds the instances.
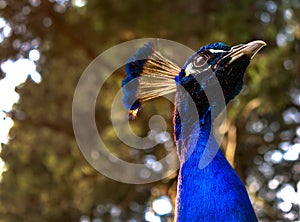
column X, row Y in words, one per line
column 192, row 125
column 213, row 193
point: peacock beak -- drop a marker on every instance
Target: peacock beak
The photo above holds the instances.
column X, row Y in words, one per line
column 250, row 49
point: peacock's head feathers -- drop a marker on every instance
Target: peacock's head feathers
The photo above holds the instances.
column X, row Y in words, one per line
column 227, row 63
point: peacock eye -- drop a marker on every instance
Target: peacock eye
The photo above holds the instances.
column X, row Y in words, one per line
column 200, row 60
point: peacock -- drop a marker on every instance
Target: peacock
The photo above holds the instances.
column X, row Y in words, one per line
column 208, row 187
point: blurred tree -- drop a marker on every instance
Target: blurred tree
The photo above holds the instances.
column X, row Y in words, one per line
column 47, row 178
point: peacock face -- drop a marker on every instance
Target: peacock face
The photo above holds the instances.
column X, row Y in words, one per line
column 228, row 64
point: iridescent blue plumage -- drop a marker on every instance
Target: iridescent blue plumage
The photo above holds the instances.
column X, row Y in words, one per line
column 215, row 192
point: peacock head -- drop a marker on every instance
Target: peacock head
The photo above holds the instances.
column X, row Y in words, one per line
column 227, row 64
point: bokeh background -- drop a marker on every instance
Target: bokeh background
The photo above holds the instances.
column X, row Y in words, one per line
column 45, row 45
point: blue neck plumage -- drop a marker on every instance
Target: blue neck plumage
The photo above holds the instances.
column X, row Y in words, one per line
column 214, row 193
column 191, row 126
column 192, row 120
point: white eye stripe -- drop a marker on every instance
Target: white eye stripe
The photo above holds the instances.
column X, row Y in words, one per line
column 188, row 69
column 216, row 51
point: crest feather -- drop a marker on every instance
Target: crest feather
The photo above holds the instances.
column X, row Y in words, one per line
column 149, row 75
